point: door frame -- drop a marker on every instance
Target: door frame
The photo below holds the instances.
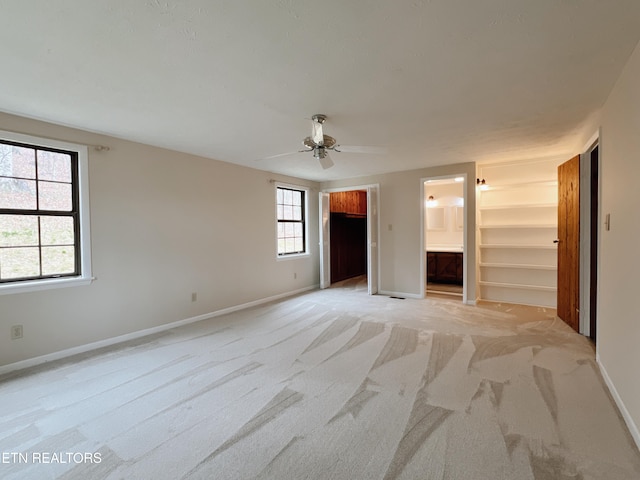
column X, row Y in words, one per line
column 373, row 235
column 423, row 212
column 324, row 239
column 589, row 220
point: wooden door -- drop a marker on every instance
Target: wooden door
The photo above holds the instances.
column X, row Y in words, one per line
column 569, row 242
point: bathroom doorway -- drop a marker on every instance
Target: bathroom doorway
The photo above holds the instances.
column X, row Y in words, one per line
column 444, row 234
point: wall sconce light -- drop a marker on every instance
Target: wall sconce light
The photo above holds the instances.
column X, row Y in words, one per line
column 431, row 202
column 482, row 184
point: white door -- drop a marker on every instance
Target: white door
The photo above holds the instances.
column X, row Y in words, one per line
column 325, row 273
column 372, row 240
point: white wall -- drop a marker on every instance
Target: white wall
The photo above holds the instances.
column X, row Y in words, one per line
column 618, row 316
column 400, row 212
column 164, row 224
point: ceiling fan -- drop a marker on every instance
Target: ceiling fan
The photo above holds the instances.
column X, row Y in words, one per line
column 320, row 144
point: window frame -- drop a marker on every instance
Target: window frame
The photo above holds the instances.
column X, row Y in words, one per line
column 305, row 223
column 82, row 240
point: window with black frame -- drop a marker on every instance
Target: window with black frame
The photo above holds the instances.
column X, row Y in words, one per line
column 39, row 213
column 290, row 205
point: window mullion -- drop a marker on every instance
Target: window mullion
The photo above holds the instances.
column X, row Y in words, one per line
column 36, row 155
column 36, row 151
column 40, row 245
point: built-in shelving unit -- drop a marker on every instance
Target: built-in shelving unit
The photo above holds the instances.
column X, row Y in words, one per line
column 517, row 226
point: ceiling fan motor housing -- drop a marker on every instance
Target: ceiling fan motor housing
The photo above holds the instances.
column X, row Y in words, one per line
column 328, row 142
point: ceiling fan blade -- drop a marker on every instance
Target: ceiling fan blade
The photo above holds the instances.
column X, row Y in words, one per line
column 278, row 155
column 317, row 135
column 369, row 150
column 326, row 161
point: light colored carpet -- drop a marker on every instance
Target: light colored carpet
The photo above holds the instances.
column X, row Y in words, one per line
column 328, row 385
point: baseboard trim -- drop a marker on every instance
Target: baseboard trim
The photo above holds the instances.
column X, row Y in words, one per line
column 50, row 357
column 631, row 425
column 399, row 294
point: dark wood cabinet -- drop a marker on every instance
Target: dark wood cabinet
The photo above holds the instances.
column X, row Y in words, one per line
column 354, row 202
column 445, row 267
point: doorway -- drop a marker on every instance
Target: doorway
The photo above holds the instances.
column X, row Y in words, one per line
column 349, row 235
column 443, row 236
column 348, row 240
column 594, row 160
column 589, row 233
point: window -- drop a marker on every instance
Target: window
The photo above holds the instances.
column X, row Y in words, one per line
column 291, row 208
column 43, row 214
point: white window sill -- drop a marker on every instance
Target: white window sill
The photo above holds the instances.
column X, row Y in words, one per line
column 49, row 283
column 292, row 256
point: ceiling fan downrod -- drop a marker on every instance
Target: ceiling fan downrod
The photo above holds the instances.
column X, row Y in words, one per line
column 319, row 118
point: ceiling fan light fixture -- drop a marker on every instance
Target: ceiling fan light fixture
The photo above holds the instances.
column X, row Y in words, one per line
column 325, row 159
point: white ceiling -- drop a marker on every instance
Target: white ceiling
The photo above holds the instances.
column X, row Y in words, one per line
column 435, row 81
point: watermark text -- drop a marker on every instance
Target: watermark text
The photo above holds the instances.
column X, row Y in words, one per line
column 50, row 457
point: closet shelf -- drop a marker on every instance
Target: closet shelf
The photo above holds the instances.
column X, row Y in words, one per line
column 518, row 206
column 519, row 185
column 517, row 246
column 518, row 266
column 518, row 286
column 523, row 226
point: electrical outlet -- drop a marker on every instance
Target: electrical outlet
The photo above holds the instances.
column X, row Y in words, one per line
column 16, row 332
column 194, row 296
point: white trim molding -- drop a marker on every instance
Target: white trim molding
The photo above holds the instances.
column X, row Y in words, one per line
column 400, row 294
column 631, row 425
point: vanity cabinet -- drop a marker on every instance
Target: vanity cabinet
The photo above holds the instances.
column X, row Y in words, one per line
column 444, row 267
